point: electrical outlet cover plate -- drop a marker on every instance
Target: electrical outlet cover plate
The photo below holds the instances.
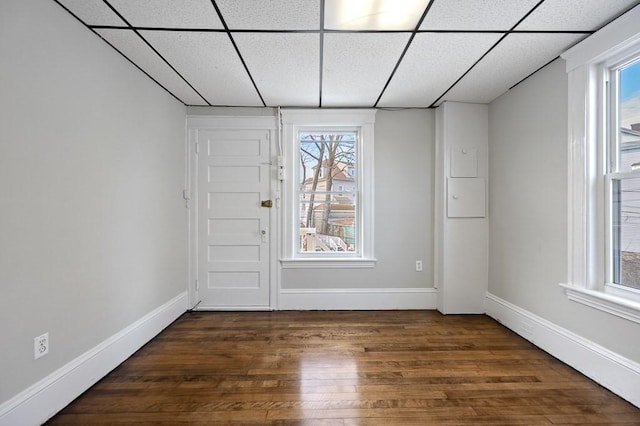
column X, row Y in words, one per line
column 40, row 346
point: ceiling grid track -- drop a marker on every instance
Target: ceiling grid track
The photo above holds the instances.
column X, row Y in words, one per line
column 637, row 3
column 154, row 49
column 543, row 66
column 120, row 52
column 404, row 52
column 410, row 76
column 326, row 31
column 433, row 104
column 235, row 46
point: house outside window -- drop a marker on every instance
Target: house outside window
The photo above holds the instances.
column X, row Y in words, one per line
column 604, row 169
column 328, row 218
column 328, row 188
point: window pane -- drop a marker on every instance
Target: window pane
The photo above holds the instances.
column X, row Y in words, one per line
column 327, row 226
column 327, row 159
column 629, row 115
column 626, row 232
column 328, row 190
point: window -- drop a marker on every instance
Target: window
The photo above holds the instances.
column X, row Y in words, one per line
column 328, row 188
column 328, row 218
column 623, row 176
column 604, row 169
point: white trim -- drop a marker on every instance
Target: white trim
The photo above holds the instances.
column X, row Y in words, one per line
column 617, row 373
column 585, row 220
column 294, row 119
column 327, row 263
column 611, row 304
column 621, row 34
column 358, row 299
column 588, row 206
column 48, row 396
column 266, row 122
column 329, row 117
column 232, row 308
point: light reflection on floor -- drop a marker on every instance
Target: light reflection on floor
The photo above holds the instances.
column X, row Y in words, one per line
column 324, row 378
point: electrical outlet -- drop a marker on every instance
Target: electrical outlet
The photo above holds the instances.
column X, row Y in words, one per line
column 40, row 345
column 418, row 265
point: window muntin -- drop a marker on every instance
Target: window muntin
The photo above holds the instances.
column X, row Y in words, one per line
column 623, row 176
column 328, row 191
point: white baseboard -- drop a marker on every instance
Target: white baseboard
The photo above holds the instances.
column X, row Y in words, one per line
column 45, row 398
column 614, row 372
column 357, row 299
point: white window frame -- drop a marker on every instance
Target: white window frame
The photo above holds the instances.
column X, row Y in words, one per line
column 589, row 211
column 294, row 120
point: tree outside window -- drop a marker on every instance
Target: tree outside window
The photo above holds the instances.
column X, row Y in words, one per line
column 328, row 191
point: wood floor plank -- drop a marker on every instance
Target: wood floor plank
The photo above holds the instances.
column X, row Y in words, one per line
column 343, row 368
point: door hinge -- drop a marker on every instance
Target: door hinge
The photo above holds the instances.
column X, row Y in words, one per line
column 197, row 285
column 197, row 147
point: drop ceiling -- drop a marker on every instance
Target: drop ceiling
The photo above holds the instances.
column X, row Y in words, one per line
column 288, row 53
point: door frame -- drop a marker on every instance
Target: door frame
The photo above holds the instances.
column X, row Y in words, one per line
column 195, row 124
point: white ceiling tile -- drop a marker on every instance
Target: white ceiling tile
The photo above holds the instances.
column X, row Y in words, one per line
column 517, row 56
column 271, row 14
column 169, row 13
column 93, row 12
column 285, row 67
column 476, row 15
column 209, row 63
column 574, row 15
column 357, row 66
column 137, row 50
column 432, row 64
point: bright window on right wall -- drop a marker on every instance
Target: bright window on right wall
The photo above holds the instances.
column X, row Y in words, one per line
column 604, row 169
column 623, row 176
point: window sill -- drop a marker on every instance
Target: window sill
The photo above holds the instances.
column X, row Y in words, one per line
column 312, row 263
column 614, row 305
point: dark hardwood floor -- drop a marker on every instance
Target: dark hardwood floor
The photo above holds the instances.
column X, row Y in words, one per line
column 344, row 368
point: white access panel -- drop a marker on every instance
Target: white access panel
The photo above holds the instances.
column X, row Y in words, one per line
column 466, row 197
column 464, row 162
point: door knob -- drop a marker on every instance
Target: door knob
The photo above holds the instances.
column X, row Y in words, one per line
column 266, row 203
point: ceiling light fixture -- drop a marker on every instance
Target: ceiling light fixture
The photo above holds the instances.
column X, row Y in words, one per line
column 377, row 15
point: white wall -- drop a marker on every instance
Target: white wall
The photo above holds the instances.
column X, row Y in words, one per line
column 528, row 204
column 461, row 225
column 404, row 149
column 403, row 216
column 93, row 228
column 92, row 224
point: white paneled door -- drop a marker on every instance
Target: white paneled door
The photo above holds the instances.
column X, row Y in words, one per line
column 233, row 218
